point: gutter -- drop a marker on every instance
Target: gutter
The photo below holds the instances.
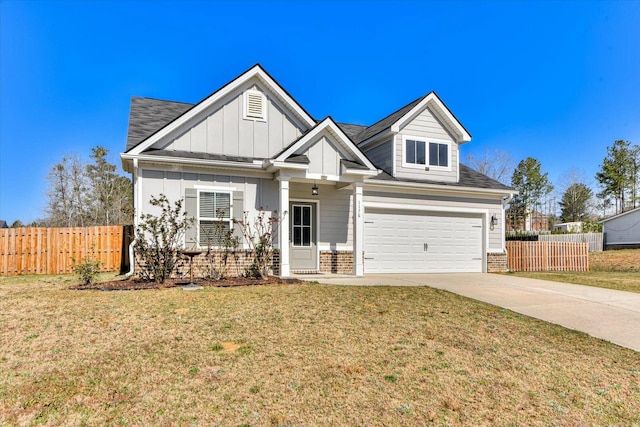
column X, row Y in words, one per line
column 132, row 261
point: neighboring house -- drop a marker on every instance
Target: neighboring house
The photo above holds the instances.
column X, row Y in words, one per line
column 622, row 230
column 569, row 227
column 392, row 197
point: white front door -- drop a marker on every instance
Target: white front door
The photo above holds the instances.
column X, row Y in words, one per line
column 419, row 242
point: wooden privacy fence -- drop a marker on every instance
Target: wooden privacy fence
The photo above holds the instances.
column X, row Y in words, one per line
column 32, row 250
column 547, row 256
column 594, row 240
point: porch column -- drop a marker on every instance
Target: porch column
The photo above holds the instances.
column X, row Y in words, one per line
column 358, row 230
column 283, row 239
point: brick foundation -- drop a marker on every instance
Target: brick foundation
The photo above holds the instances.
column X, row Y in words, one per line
column 497, row 262
column 337, row 262
column 238, row 264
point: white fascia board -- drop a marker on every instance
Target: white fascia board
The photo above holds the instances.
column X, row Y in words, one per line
column 343, row 139
column 281, row 164
column 360, row 172
column 442, row 110
column 619, row 215
column 436, row 187
column 255, row 71
column 193, row 162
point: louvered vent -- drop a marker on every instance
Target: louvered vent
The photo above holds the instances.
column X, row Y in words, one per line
column 254, row 105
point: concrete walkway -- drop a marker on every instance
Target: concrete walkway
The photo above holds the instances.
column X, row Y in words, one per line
column 604, row 313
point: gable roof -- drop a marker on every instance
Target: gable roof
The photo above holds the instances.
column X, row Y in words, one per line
column 616, row 216
column 330, row 125
column 148, row 115
column 256, row 71
column 468, row 178
column 396, row 120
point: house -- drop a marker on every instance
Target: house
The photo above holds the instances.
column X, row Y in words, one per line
column 569, row 227
column 622, row 230
column 392, row 197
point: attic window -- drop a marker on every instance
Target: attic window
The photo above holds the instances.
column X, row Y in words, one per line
column 255, row 105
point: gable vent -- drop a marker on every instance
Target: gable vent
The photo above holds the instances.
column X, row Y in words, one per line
column 254, row 105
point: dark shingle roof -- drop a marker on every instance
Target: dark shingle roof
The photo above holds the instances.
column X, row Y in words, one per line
column 353, row 165
column 200, row 156
column 385, row 123
column 148, row 115
column 351, row 130
column 468, row 178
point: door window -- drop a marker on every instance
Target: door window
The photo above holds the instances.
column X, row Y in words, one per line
column 301, row 225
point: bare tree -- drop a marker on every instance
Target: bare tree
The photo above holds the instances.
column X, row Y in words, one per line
column 496, row 164
column 67, row 193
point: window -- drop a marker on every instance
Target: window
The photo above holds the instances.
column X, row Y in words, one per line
column 214, row 217
column 420, row 154
column 415, row 152
column 255, row 105
column 438, row 154
column 301, row 225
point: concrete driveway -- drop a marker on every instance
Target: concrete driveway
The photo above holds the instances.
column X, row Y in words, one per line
column 603, row 313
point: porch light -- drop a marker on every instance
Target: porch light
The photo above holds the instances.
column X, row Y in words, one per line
column 494, row 221
column 314, row 190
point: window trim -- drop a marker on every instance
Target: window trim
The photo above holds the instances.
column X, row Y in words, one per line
column 201, row 218
column 426, row 141
column 245, row 105
column 311, row 226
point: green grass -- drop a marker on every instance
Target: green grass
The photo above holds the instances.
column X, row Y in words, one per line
column 297, row 355
column 618, row 269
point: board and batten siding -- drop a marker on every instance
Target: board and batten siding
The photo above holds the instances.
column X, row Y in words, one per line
column 426, row 126
column 225, row 131
column 323, row 155
column 624, row 230
column 336, row 218
column 433, row 202
column 381, row 155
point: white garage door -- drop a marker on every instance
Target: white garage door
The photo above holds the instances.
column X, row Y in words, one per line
column 420, row 242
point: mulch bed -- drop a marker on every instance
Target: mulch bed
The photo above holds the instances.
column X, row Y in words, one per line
column 137, row 284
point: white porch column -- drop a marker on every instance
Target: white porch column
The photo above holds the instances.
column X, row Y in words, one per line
column 283, row 239
column 358, row 230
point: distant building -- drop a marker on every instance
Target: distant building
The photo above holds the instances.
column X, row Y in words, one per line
column 569, row 227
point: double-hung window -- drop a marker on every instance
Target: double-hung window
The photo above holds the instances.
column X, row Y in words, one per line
column 214, row 217
column 421, row 153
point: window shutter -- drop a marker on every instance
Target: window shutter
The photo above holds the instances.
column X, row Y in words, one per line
column 191, row 208
column 238, row 213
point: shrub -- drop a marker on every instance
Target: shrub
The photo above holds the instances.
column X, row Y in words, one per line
column 259, row 236
column 217, row 261
column 158, row 239
column 88, row 268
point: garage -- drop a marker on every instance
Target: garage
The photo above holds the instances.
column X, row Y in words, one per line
column 422, row 242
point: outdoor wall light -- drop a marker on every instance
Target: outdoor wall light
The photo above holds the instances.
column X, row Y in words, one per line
column 314, row 190
column 494, row 221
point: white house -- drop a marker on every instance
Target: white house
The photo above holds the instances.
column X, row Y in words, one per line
column 622, row 230
column 391, row 197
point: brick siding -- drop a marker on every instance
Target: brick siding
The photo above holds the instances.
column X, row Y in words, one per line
column 496, row 262
column 337, row 262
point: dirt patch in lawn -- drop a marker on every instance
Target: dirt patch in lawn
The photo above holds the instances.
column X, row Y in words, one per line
column 615, row 260
column 137, row 284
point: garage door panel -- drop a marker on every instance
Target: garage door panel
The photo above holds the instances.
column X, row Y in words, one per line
column 416, row 242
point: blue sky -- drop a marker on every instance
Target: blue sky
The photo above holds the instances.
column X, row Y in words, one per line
column 555, row 80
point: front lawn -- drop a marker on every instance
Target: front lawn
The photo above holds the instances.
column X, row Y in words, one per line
column 297, row 355
column 618, row 269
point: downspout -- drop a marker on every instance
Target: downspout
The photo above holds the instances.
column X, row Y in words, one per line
column 132, row 261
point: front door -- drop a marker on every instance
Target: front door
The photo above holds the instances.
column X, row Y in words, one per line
column 303, row 235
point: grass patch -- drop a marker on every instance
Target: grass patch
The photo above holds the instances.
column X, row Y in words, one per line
column 619, row 269
column 252, row 356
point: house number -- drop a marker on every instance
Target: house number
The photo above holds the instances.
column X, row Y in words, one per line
column 358, row 208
